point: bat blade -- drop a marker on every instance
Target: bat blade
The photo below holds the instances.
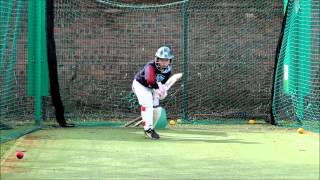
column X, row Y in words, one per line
column 138, row 123
column 133, row 121
column 172, row 80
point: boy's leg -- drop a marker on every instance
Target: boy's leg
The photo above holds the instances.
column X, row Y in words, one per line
column 155, row 100
column 145, row 99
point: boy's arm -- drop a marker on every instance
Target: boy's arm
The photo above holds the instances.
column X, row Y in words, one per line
column 150, row 77
column 165, row 87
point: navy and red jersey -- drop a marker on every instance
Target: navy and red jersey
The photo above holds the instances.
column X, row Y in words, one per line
column 150, row 75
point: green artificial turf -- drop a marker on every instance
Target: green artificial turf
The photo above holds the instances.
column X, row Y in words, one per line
column 183, row 152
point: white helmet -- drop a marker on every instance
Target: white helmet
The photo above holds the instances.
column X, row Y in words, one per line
column 163, row 52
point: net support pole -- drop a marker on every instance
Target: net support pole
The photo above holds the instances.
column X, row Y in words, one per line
column 185, row 46
column 37, row 64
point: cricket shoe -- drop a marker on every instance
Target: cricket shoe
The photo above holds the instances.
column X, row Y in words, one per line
column 151, row 133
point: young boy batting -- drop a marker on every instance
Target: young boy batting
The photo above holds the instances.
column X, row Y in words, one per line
column 148, row 85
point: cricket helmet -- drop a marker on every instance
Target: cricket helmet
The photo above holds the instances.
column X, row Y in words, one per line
column 163, row 52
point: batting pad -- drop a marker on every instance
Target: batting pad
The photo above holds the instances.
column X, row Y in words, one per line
column 159, row 118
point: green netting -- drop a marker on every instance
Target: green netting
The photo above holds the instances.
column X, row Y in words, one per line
column 16, row 108
column 297, row 85
column 225, row 49
column 100, row 46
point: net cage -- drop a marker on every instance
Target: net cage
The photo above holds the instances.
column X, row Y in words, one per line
column 225, row 49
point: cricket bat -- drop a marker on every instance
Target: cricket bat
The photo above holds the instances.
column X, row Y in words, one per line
column 138, row 119
column 172, row 80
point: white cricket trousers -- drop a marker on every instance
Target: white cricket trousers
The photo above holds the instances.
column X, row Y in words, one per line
column 147, row 100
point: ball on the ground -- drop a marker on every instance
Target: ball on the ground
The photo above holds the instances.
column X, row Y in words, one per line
column 19, row 154
column 300, row 130
column 251, row 121
column 172, row 122
column 179, row 121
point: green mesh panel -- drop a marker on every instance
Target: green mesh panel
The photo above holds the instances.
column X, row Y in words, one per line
column 297, row 86
column 16, row 110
